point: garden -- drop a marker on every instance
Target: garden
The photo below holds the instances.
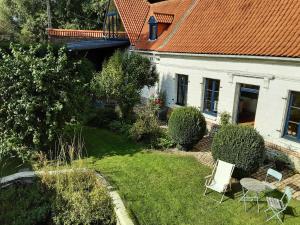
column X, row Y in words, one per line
column 66, row 121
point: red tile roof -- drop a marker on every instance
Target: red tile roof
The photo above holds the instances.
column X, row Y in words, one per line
column 133, row 14
column 233, row 27
column 164, row 18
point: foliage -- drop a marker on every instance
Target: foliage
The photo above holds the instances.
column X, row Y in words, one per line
column 101, row 117
column 39, row 93
column 72, row 197
column 240, row 145
column 79, row 199
column 120, row 127
column 146, row 127
column 30, row 206
column 26, row 20
column 187, row 126
column 164, row 141
column 123, row 77
column 225, row 118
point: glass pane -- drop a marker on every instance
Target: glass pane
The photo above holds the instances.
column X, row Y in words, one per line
column 209, row 84
column 208, row 95
column 216, row 95
column 207, row 106
column 250, row 86
column 292, row 129
column 295, row 115
column 182, row 89
column 185, row 79
column 296, row 99
column 215, row 106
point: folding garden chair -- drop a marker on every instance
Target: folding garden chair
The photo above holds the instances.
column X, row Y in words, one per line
column 220, row 178
column 275, row 175
column 278, row 206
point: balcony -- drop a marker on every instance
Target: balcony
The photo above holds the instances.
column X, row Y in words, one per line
column 87, row 39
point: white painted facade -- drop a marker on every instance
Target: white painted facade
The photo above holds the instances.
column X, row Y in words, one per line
column 276, row 78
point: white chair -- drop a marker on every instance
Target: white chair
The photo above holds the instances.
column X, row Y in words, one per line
column 220, row 178
column 275, row 175
column 278, row 206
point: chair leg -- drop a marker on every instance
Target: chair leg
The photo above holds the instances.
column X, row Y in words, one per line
column 275, row 214
column 222, row 198
column 205, row 191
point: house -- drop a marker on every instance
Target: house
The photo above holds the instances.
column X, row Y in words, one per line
column 235, row 56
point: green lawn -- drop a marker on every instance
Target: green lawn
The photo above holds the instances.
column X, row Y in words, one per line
column 160, row 188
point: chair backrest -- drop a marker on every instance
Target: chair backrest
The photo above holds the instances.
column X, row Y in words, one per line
column 223, row 172
column 275, row 174
column 288, row 193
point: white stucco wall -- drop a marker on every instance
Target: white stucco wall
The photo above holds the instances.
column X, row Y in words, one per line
column 275, row 78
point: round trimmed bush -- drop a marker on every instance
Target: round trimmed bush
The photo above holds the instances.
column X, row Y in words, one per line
column 186, row 127
column 240, row 145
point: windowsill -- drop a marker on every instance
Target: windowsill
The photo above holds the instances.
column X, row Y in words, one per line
column 179, row 105
column 210, row 113
column 291, row 139
column 210, row 116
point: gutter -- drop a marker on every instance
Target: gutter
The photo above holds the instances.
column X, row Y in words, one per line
column 270, row 58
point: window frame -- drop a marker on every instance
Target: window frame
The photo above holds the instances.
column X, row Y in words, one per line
column 184, row 98
column 288, row 116
column 212, row 97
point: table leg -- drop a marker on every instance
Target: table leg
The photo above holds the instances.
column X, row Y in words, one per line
column 257, row 202
column 243, row 198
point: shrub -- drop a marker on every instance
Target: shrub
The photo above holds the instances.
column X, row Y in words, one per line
column 120, row 127
column 240, row 145
column 101, row 117
column 164, row 141
column 225, row 118
column 187, row 126
column 79, row 198
column 146, row 128
column 26, row 204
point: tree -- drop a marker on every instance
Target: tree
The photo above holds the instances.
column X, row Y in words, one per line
column 123, row 77
column 26, row 20
column 40, row 91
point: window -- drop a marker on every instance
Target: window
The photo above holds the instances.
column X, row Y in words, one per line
column 182, row 88
column 211, row 96
column 292, row 126
column 152, row 28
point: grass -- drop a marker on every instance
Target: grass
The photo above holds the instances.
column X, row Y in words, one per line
column 160, row 188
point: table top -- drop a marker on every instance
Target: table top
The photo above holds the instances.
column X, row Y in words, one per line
column 252, row 184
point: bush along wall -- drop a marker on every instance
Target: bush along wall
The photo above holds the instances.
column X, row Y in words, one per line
column 187, row 127
column 240, row 145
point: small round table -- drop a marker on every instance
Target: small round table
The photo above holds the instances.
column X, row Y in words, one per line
column 251, row 185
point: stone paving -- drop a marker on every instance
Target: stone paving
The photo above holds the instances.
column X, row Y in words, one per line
column 203, row 154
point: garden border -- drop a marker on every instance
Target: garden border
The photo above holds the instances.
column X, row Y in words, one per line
column 119, row 207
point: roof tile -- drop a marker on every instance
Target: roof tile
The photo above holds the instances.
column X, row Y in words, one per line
column 133, row 14
column 233, row 27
